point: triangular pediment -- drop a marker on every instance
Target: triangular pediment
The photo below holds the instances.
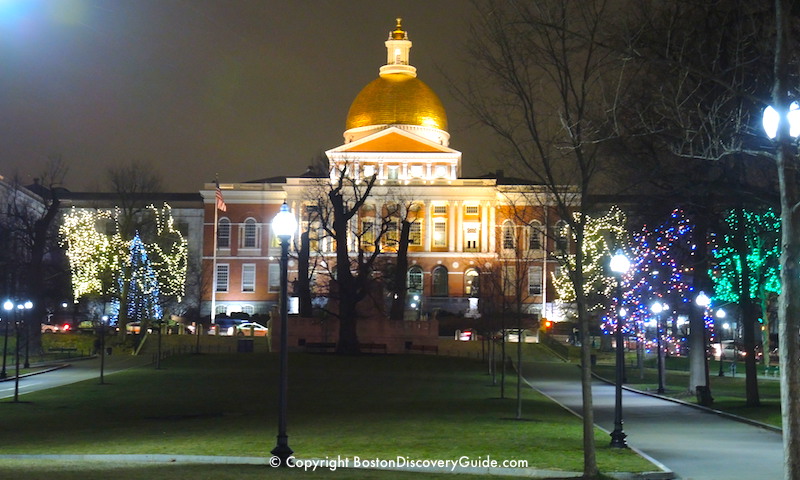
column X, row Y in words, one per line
column 393, row 139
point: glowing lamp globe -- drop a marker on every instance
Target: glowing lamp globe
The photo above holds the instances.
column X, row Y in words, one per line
column 657, row 307
column 771, row 118
column 8, row 305
column 620, row 263
column 284, row 224
column 702, row 299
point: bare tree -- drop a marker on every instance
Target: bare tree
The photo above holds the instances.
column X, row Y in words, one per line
column 549, row 85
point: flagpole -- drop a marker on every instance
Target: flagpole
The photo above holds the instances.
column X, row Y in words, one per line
column 214, row 266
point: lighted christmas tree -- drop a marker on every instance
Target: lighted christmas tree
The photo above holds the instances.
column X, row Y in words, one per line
column 599, row 231
column 761, row 234
column 660, row 271
column 143, row 291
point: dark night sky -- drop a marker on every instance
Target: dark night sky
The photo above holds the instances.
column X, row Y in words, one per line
column 246, row 88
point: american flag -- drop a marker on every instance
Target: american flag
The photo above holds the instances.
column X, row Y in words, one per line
column 220, row 201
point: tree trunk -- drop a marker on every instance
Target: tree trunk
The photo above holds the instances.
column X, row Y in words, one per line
column 749, row 315
column 400, row 281
column 590, row 469
column 789, row 300
column 306, row 309
column 698, row 359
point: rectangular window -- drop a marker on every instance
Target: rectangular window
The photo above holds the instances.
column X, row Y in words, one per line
column 439, row 234
column 249, row 277
column 471, row 209
column 392, row 172
column 416, row 171
column 392, row 233
column 222, row 277
column 535, row 280
column 274, row 277
column 367, row 232
column 224, row 233
column 535, row 240
column 440, row 209
column 415, row 235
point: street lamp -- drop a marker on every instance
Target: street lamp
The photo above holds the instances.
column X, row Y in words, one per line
column 25, row 321
column 619, row 264
column 772, row 117
column 657, row 308
column 284, row 225
column 7, row 306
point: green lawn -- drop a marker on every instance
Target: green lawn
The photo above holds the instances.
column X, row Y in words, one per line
column 728, row 392
column 420, row 407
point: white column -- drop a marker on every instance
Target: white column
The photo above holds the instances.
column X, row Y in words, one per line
column 451, row 226
column 484, row 228
column 460, row 227
column 492, row 228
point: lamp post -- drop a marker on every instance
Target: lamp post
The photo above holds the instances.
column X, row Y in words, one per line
column 102, row 329
column 703, row 301
column 657, row 308
column 25, row 321
column 720, row 315
column 7, row 306
column 284, row 226
column 619, row 264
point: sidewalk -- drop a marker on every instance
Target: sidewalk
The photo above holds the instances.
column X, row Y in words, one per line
column 695, row 444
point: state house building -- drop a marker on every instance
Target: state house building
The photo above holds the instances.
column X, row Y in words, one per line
column 396, row 129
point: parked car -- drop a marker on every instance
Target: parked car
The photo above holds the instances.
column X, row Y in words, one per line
column 251, row 329
column 56, row 328
column 225, row 326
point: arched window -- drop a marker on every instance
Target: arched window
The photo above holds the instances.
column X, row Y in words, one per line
column 440, row 288
column 248, row 309
column 249, row 232
column 508, row 235
column 472, row 282
column 535, row 236
column 224, row 233
column 415, row 279
column 221, row 310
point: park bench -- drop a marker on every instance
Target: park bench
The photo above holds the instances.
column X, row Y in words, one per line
column 373, row 347
column 423, row 348
column 319, row 346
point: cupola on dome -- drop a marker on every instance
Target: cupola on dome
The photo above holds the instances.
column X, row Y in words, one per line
column 397, row 97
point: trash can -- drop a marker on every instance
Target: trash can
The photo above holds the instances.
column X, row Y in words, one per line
column 704, row 397
column 244, row 345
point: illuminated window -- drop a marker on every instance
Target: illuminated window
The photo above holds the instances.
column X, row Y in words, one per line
column 439, row 234
column 440, row 209
column 471, row 281
column 415, row 235
column 535, row 235
column 392, row 233
column 221, row 309
column 369, row 170
column 471, row 209
column 440, row 171
column 562, row 232
column 439, row 278
column 274, row 280
column 248, row 309
column 392, row 172
column 250, row 234
column 416, row 171
column 471, row 238
column 224, row 233
column 249, row 277
column 223, row 269
column 367, row 232
column 508, row 235
column 535, row 280
column 415, row 279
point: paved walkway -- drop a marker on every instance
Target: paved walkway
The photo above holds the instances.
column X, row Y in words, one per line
column 695, row 444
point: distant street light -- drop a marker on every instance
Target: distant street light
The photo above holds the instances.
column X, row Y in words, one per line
column 8, row 306
column 657, row 308
column 284, row 225
column 619, row 264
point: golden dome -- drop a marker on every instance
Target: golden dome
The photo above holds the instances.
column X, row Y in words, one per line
column 397, row 99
